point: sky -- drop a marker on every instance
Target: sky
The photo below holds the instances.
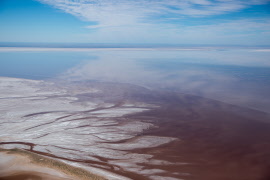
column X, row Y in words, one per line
column 185, row 22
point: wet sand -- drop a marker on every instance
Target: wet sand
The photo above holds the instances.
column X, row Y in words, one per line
column 25, row 176
column 18, row 164
column 30, row 175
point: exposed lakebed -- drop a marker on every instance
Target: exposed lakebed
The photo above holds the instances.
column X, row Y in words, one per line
column 123, row 131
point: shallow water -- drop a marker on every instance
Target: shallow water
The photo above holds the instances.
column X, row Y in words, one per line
column 233, row 75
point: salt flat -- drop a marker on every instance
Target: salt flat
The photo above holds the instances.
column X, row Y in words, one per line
column 41, row 117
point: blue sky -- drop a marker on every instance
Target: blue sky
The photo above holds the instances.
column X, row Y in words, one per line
column 213, row 22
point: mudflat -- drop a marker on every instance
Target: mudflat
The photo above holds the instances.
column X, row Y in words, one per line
column 123, row 131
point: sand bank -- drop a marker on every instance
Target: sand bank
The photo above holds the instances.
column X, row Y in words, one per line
column 18, row 164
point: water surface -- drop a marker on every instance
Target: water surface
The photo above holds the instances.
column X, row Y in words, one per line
column 238, row 76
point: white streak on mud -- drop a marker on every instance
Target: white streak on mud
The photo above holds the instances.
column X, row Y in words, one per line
column 57, row 123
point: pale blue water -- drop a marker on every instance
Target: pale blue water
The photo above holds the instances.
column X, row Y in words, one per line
column 236, row 76
column 39, row 65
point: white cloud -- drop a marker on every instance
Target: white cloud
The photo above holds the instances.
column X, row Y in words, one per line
column 151, row 21
column 245, row 32
column 127, row 11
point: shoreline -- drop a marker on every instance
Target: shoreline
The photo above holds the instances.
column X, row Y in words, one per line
column 17, row 163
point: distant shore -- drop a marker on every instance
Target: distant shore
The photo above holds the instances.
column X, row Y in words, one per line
column 85, row 49
column 126, row 48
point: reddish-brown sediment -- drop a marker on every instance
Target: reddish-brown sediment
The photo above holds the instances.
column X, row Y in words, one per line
column 216, row 140
column 206, row 139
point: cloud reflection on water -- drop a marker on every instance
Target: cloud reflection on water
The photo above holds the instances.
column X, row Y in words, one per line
column 233, row 76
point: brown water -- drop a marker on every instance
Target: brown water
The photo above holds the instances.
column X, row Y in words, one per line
column 214, row 140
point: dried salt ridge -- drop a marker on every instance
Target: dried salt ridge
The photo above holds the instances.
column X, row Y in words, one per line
column 83, row 126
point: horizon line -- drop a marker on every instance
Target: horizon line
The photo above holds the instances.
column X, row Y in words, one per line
column 117, row 45
column 87, row 49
